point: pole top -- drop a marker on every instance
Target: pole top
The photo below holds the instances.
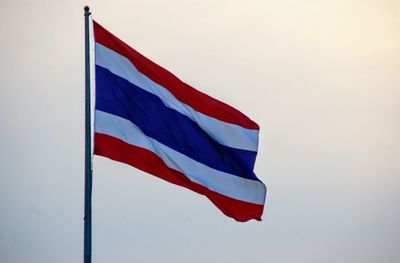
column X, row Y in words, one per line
column 86, row 8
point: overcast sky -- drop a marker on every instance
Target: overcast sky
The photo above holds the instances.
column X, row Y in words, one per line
column 321, row 78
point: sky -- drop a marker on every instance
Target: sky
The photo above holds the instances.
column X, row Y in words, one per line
column 320, row 77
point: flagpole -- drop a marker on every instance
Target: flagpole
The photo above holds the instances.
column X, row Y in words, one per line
column 87, row 247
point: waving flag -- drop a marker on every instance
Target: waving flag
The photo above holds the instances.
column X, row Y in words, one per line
column 146, row 117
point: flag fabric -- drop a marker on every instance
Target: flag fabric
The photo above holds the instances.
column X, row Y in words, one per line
column 147, row 118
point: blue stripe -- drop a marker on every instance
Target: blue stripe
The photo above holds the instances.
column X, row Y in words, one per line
column 117, row 96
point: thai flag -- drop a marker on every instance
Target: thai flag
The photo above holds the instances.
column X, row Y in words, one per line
column 146, row 117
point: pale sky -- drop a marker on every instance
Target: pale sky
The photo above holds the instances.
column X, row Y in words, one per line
column 321, row 78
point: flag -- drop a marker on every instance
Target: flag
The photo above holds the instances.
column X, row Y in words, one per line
column 148, row 118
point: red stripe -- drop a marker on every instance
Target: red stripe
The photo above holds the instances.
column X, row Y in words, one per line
column 182, row 91
column 149, row 162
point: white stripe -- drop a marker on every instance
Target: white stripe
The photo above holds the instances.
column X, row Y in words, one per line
column 224, row 183
column 224, row 133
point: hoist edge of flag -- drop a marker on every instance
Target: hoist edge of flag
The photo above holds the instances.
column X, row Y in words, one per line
column 145, row 160
column 182, row 91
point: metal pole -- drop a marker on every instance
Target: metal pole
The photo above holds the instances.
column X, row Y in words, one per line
column 87, row 249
